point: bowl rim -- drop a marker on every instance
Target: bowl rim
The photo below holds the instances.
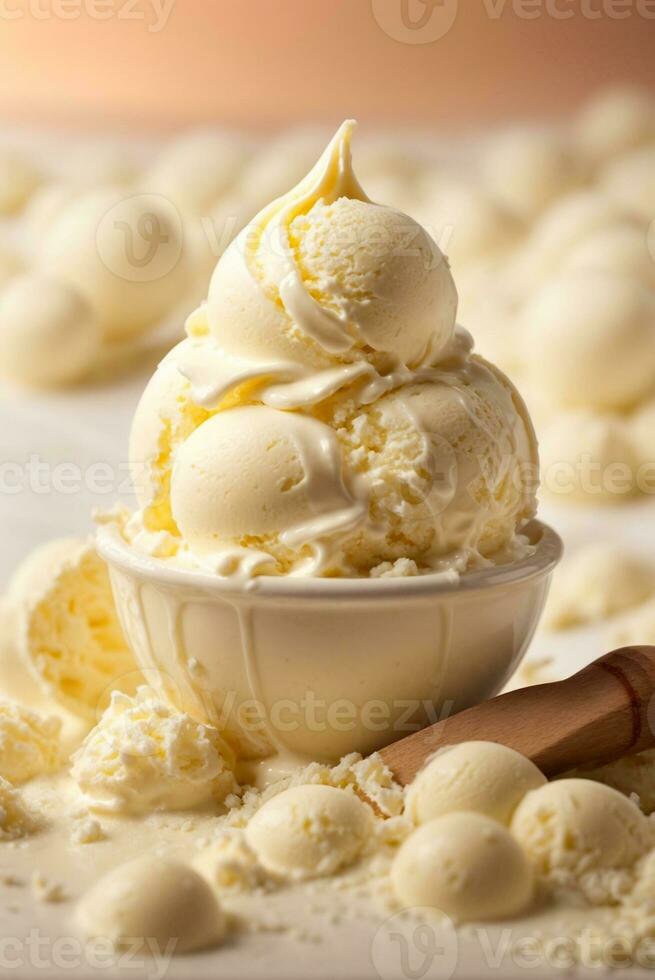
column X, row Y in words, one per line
column 113, row 548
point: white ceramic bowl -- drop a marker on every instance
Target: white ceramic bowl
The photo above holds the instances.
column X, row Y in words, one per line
column 317, row 668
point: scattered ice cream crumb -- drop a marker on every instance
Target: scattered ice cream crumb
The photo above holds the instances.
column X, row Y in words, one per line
column 144, row 755
column 310, row 831
column 15, row 821
column 402, row 567
column 47, row 891
column 230, row 864
column 29, row 744
column 87, row 830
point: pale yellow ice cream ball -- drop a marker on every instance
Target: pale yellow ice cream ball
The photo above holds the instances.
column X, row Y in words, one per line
column 465, row 865
column 310, row 831
column 578, row 825
column 49, row 334
column 152, row 900
column 391, row 278
column 556, row 234
column 569, row 221
column 450, row 467
column 615, row 121
column 596, row 582
column 525, row 169
column 587, row 457
column 19, row 178
column 482, row 777
column 124, row 254
column 240, row 478
column 621, row 248
column 197, row 168
column 371, row 265
column 165, row 417
column 67, row 631
column 630, row 180
column 589, row 338
column 466, row 221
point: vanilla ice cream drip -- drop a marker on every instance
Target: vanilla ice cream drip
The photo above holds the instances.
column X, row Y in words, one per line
column 326, row 415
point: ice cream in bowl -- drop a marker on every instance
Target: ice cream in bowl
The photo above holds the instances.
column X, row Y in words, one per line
column 335, row 539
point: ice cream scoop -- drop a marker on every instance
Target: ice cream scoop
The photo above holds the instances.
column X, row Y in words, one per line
column 49, row 335
column 594, row 717
column 151, row 904
column 579, row 825
column 452, row 864
column 325, row 416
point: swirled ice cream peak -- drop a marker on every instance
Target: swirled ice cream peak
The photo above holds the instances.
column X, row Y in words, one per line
column 325, row 415
column 332, row 178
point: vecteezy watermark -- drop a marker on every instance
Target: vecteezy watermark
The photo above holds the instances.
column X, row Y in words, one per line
column 307, row 712
column 414, row 944
column 422, row 942
column 143, row 956
column 567, row 9
column 561, row 953
column 587, row 475
column 153, row 14
column 415, row 21
column 41, row 477
column 427, row 21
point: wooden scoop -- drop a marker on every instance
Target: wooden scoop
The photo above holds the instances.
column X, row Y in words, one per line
column 596, row 716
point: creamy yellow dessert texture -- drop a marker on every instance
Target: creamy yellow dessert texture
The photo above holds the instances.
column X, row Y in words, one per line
column 326, row 416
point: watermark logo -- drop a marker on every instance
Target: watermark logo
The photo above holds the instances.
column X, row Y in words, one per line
column 568, row 9
column 152, row 14
column 38, row 953
column 415, row 21
column 140, row 238
column 414, row 944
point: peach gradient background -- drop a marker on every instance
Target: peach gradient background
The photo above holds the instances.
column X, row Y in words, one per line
column 270, row 62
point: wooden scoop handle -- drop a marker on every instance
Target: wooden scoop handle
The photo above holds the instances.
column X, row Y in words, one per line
column 596, row 716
